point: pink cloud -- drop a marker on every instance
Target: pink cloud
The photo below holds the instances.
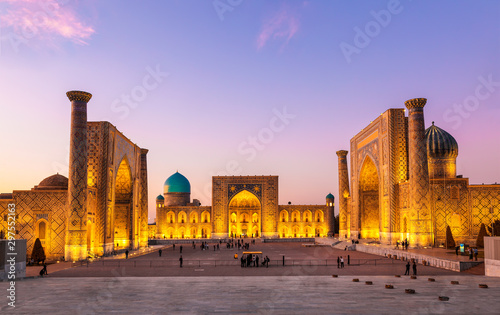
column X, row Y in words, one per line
column 283, row 25
column 46, row 19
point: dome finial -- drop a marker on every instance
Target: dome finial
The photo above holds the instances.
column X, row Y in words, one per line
column 433, row 123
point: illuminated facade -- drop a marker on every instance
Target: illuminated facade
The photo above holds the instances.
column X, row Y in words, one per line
column 101, row 207
column 241, row 206
column 403, row 184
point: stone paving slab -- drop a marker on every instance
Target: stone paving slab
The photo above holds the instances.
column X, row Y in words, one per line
column 251, row 295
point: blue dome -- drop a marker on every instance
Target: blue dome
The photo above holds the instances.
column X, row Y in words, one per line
column 440, row 144
column 330, row 196
column 177, row 183
column 160, row 197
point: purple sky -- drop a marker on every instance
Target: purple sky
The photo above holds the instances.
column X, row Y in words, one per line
column 195, row 81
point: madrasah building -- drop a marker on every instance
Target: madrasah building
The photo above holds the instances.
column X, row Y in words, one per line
column 242, row 206
column 100, row 208
column 403, row 184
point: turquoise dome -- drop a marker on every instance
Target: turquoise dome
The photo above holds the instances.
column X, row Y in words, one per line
column 330, row 196
column 177, row 183
column 160, row 197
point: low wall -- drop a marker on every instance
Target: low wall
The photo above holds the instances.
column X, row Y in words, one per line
column 431, row 261
column 288, row 240
column 492, row 256
column 186, row 241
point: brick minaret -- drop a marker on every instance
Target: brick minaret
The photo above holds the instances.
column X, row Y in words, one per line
column 76, row 231
column 343, row 194
column 144, row 200
column 420, row 211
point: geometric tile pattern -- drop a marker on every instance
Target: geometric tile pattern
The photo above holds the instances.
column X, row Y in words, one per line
column 343, row 192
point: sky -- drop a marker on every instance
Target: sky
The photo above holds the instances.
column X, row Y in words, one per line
column 238, row 87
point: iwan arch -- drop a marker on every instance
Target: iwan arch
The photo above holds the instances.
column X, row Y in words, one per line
column 403, row 184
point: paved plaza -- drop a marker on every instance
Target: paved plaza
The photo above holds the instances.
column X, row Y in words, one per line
column 250, row 295
column 150, row 284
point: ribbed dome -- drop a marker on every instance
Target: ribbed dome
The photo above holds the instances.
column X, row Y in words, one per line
column 440, row 144
column 57, row 182
column 177, row 183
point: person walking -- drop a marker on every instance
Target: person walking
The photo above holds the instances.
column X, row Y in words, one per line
column 159, row 252
column 341, row 262
column 126, row 254
column 414, row 268
column 180, row 260
column 407, row 271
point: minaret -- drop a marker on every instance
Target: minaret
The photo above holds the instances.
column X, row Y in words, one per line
column 330, row 205
column 420, row 211
column 144, row 200
column 76, row 230
column 343, row 195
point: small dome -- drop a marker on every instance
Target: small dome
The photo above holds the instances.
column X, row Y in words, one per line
column 330, row 196
column 440, row 144
column 56, row 182
column 177, row 183
column 160, row 197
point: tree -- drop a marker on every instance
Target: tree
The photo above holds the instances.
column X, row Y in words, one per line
column 450, row 242
column 481, row 235
column 38, row 254
column 494, row 228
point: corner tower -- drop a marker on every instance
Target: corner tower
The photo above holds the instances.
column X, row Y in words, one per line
column 76, row 231
column 420, row 211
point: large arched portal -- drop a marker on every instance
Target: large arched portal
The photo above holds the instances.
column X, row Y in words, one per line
column 123, row 205
column 369, row 200
column 245, row 215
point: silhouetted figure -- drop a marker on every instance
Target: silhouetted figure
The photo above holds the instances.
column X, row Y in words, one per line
column 456, row 250
column 257, row 261
column 126, row 254
column 180, row 260
column 348, row 259
column 44, row 270
column 159, row 252
column 338, row 262
column 180, row 248
column 414, row 268
column 173, row 247
column 407, row 272
column 341, row 262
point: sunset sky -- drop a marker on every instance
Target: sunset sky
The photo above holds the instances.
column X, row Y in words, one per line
column 244, row 87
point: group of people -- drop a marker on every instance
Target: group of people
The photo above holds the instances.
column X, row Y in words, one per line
column 407, row 271
column 340, row 261
column 473, row 252
column 253, row 261
column 404, row 244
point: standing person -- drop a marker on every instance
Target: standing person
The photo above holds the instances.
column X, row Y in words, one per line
column 414, row 268
column 180, row 248
column 407, row 271
column 338, row 262
column 267, row 262
column 397, row 244
column 126, row 254
column 348, row 260
column 470, row 253
column 341, row 262
column 173, row 247
column 456, row 250
column 257, row 261
column 180, row 261
column 159, row 252
column 475, row 253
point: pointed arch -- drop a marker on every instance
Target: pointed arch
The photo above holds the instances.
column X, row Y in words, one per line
column 369, row 199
